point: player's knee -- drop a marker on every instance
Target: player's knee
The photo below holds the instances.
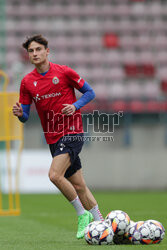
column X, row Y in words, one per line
column 51, row 177
column 55, row 178
column 80, row 188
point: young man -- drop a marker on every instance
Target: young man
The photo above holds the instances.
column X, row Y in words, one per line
column 51, row 87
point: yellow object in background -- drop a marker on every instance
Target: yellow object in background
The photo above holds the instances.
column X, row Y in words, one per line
column 10, row 130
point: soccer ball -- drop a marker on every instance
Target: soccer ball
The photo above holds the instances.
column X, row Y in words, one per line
column 133, row 233
column 131, row 224
column 119, row 221
column 148, row 232
column 124, row 238
column 157, row 232
column 99, row 233
column 145, row 234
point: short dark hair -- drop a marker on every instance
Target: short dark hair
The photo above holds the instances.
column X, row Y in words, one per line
column 36, row 38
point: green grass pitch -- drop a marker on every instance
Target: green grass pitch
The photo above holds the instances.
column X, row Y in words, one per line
column 49, row 222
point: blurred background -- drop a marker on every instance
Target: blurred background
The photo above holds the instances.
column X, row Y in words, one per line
column 120, row 48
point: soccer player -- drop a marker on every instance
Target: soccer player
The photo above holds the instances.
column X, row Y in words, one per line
column 51, row 87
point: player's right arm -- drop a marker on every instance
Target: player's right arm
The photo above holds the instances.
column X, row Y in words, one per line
column 21, row 111
column 17, row 110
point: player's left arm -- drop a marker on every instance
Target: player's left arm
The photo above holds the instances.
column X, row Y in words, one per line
column 88, row 95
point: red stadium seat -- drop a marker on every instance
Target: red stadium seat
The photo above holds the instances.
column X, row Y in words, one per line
column 110, row 40
column 153, row 106
column 132, row 70
column 117, row 106
column 148, row 70
column 137, row 107
column 164, row 85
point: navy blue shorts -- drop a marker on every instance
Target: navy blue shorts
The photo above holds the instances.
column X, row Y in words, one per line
column 71, row 144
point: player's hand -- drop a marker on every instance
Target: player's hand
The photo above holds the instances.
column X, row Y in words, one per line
column 17, row 110
column 69, row 109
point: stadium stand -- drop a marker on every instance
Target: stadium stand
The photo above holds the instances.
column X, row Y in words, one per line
column 120, row 45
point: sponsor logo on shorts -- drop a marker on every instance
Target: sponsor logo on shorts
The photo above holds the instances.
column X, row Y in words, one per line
column 62, row 146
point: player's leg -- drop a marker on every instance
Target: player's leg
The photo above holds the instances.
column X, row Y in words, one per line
column 60, row 164
column 85, row 195
column 57, row 171
column 63, row 167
